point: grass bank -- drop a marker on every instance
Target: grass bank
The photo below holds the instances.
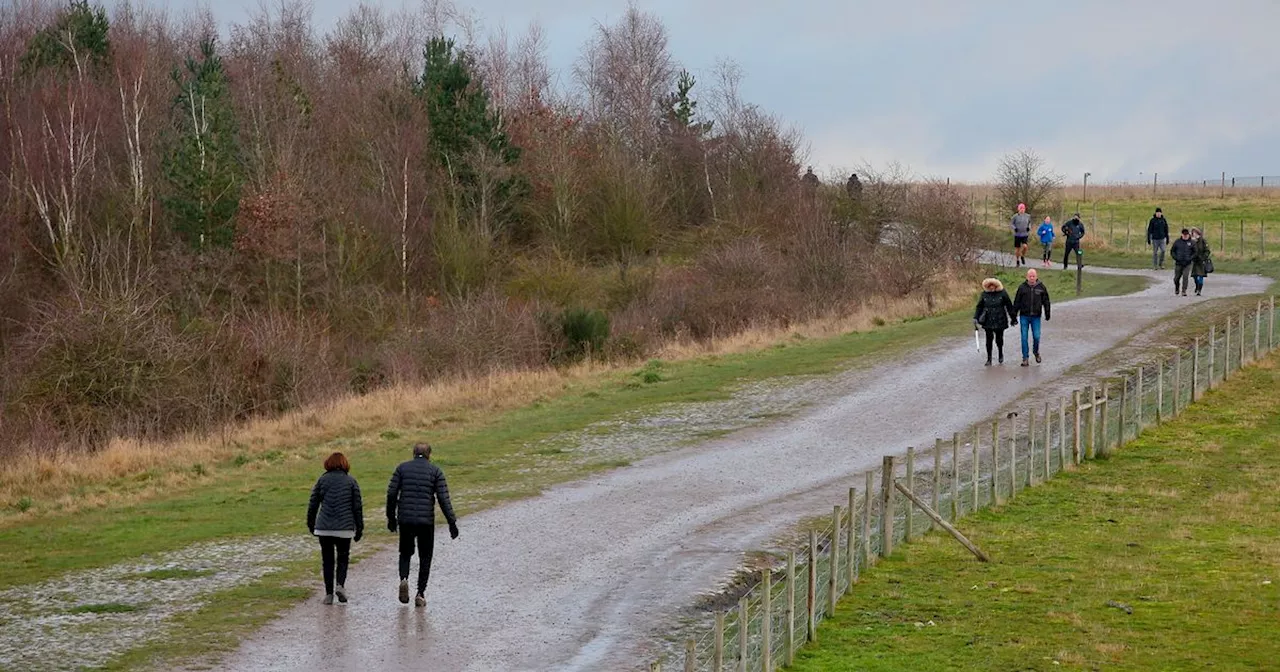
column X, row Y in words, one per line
column 1164, row 556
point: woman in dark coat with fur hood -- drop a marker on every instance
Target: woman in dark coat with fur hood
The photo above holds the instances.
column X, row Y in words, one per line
column 994, row 313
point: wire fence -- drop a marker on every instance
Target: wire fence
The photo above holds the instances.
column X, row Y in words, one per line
column 988, row 464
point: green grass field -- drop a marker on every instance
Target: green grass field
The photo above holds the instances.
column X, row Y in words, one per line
column 1181, row 528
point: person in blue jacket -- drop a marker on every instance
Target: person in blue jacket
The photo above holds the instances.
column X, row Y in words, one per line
column 1046, row 234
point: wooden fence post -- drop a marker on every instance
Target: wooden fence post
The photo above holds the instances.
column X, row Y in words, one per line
column 812, row 605
column 1048, row 433
column 791, row 611
column 1124, row 398
column 995, row 463
column 886, row 508
column 1031, row 446
column 1177, row 381
column 851, row 547
column 975, row 475
column 655, row 666
column 1091, row 450
column 1062, row 433
column 911, row 486
column 1242, row 334
column 1195, row 370
column 1257, row 329
column 1075, row 448
column 1160, row 392
column 867, row 557
column 1141, row 399
column 833, row 592
column 937, row 474
column 766, row 621
column 1226, row 352
column 744, row 624
column 690, row 656
column 717, row 651
column 1271, row 324
column 1213, row 358
column 1013, row 457
column 955, row 476
column 1105, row 410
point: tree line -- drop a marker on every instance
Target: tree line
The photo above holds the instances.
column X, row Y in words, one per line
column 201, row 227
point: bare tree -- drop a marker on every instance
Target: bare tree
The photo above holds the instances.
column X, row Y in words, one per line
column 1023, row 177
column 627, row 71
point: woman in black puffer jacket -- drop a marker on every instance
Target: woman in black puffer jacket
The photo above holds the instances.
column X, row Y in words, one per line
column 994, row 313
column 336, row 517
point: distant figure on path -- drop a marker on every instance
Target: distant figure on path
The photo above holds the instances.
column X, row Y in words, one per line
column 1046, row 233
column 994, row 313
column 1073, row 231
column 854, row 188
column 336, row 517
column 810, row 183
column 1021, row 225
column 1031, row 300
column 1158, row 238
column 412, row 494
column 1201, row 265
column 1183, row 255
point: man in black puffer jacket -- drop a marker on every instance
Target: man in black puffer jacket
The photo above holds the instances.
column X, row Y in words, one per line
column 415, row 488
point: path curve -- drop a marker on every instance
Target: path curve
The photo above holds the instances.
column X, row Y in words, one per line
column 580, row 577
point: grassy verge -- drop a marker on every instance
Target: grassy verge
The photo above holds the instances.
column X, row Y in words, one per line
column 1180, row 528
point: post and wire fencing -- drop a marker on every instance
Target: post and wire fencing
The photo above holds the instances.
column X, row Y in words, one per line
column 933, row 487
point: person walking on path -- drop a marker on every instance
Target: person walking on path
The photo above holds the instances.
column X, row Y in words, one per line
column 1021, row 225
column 1046, row 234
column 1073, row 231
column 1030, row 302
column 415, row 488
column 1201, row 264
column 1158, row 238
column 1182, row 257
column 994, row 313
column 335, row 516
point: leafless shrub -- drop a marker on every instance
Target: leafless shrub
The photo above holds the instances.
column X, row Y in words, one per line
column 1024, row 177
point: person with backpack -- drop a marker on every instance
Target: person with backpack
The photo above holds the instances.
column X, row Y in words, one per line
column 1046, row 234
column 1158, row 238
column 1031, row 300
column 1021, row 225
column 1073, row 231
column 335, row 516
column 415, row 488
column 1201, row 263
column 1183, row 255
column 994, row 313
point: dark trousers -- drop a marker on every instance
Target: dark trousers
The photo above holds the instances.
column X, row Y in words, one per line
column 1066, row 256
column 1181, row 273
column 998, row 336
column 329, row 547
column 425, row 538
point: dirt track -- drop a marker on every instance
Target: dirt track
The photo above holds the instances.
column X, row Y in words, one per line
column 580, row 577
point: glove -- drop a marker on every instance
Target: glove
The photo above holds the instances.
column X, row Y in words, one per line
column 1013, row 322
column 311, row 529
column 391, row 524
column 359, row 535
column 453, row 530
column 975, row 325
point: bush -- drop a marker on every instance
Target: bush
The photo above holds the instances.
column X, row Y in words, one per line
column 585, row 331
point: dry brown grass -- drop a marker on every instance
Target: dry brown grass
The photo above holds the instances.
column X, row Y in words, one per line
column 452, row 403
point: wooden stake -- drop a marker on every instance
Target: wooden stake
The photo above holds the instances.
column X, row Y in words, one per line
column 911, row 485
column 1075, row 449
column 867, row 557
column 974, row 472
column 955, row 476
column 717, row 652
column 852, row 546
column 766, row 620
column 833, row 590
column 812, row 602
column 886, row 507
column 744, row 624
column 995, row 463
column 945, row 525
column 937, row 474
column 690, row 659
column 790, row 655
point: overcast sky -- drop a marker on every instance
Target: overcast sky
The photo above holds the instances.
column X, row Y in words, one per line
column 1121, row 88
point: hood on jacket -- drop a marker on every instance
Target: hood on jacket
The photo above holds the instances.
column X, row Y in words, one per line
column 992, row 285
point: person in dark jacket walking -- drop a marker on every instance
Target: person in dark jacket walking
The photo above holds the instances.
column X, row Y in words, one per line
column 1158, row 238
column 412, row 494
column 336, row 517
column 1200, row 264
column 1182, row 255
column 1031, row 300
column 1073, row 231
column 994, row 313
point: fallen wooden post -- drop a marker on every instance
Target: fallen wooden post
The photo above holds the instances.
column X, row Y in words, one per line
column 943, row 524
